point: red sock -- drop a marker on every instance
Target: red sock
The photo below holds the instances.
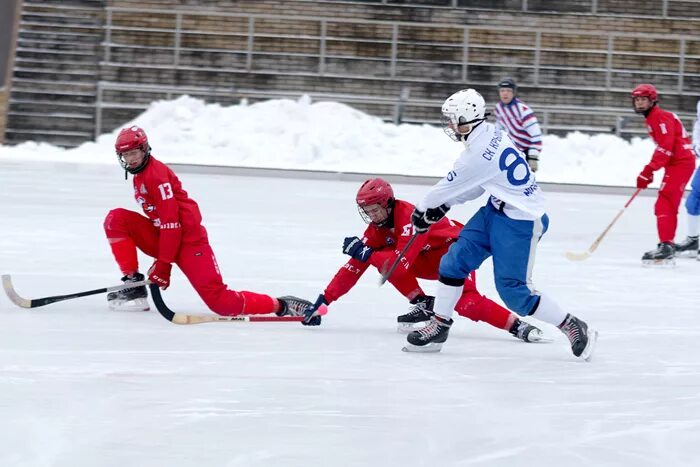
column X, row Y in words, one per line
column 124, row 251
column 476, row 307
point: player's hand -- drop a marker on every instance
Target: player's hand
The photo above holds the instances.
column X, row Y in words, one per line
column 532, row 156
column 354, row 247
column 159, row 274
column 422, row 220
column 645, row 177
column 310, row 319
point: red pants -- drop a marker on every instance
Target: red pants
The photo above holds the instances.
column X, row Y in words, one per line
column 471, row 304
column 666, row 207
column 127, row 230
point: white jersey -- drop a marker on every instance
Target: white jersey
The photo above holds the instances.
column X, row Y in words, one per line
column 490, row 163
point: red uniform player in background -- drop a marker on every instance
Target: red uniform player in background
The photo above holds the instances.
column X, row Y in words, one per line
column 674, row 153
column 387, row 234
column 172, row 233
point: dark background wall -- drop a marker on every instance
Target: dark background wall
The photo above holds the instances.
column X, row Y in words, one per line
column 8, row 10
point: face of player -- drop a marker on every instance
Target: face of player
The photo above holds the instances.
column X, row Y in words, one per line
column 133, row 158
column 376, row 213
column 641, row 104
column 506, row 95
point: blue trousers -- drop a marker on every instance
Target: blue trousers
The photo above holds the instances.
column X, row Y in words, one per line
column 512, row 243
column 692, row 203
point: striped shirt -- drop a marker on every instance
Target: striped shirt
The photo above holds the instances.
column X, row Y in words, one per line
column 519, row 121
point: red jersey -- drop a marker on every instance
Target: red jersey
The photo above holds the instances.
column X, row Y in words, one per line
column 159, row 193
column 439, row 237
column 672, row 143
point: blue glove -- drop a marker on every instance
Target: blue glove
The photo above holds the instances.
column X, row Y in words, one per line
column 422, row 220
column 309, row 319
column 354, row 247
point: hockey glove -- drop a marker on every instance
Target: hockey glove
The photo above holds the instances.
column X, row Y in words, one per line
column 159, row 274
column 422, row 220
column 645, row 177
column 354, row 247
column 309, row 318
column 532, row 156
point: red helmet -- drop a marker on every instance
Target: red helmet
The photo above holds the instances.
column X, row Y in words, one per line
column 646, row 90
column 130, row 138
column 375, row 191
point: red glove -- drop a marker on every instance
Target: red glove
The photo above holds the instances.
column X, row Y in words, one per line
column 645, row 177
column 159, row 273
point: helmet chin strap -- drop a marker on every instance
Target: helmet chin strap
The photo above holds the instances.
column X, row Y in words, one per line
column 463, row 137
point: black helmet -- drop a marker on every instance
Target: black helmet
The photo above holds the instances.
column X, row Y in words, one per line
column 507, row 83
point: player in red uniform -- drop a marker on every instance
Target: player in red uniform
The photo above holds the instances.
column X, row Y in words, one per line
column 674, row 153
column 387, row 234
column 172, row 233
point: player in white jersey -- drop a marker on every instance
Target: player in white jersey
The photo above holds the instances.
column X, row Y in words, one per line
column 690, row 246
column 507, row 228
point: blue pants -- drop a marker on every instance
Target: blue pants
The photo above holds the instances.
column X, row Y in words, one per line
column 512, row 243
column 692, row 204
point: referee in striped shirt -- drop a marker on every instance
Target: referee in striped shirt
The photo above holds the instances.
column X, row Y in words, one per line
column 516, row 118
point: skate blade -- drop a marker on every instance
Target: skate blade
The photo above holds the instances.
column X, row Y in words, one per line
column 537, row 337
column 659, row 263
column 140, row 304
column 687, row 254
column 405, row 328
column 428, row 348
column 587, row 353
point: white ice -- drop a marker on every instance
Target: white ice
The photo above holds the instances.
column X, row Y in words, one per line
column 83, row 386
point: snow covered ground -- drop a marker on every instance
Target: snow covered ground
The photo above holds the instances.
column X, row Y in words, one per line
column 84, row 387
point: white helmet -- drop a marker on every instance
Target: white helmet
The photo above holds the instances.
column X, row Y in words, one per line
column 462, row 112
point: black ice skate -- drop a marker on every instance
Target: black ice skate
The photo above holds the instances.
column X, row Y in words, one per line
column 420, row 311
column 292, row 306
column 582, row 338
column 526, row 331
column 688, row 247
column 661, row 256
column 429, row 338
column 133, row 299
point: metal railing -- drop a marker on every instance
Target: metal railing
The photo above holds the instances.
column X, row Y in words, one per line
column 599, row 61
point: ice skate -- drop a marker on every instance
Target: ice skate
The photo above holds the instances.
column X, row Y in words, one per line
column 526, row 332
column 133, row 299
column 429, row 338
column 663, row 255
column 581, row 337
column 420, row 312
column 292, row 306
column 688, row 248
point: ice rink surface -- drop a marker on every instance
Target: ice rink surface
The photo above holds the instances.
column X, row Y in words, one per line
column 82, row 386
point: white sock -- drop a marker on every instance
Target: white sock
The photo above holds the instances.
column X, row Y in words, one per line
column 693, row 225
column 446, row 298
column 549, row 311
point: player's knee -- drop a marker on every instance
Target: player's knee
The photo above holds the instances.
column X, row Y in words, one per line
column 115, row 221
column 692, row 204
column 450, row 266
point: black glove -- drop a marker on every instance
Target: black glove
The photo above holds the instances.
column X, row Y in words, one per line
column 309, row 319
column 354, row 247
column 423, row 220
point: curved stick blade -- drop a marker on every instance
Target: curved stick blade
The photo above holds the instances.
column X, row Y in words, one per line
column 571, row 256
column 12, row 295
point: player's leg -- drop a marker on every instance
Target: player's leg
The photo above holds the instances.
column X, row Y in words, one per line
column 689, row 247
column 198, row 263
column 478, row 307
column 514, row 244
column 420, row 311
column 464, row 256
column 126, row 231
column 666, row 211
